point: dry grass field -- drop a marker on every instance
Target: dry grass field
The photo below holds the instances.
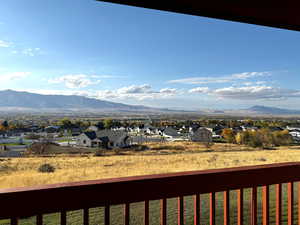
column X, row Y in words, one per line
column 159, row 158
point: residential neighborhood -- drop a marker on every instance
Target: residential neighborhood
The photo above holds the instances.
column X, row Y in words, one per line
column 114, row 133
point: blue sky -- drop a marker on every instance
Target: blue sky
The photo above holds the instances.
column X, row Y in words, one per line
column 141, row 56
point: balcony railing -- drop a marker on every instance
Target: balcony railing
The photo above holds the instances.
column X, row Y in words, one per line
column 18, row 203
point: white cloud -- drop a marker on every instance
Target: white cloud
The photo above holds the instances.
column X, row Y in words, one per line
column 137, row 92
column 105, row 76
column 31, row 51
column 254, row 83
column 145, row 92
column 13, row 76
column 4, row 44
column 27, row 51
column 74, row 81
column 135, row 89
column 168, row 90
column 222, row 79
column 255, row 93
column 199, row 90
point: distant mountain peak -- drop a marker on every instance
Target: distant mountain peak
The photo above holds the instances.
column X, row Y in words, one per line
column 273, row 110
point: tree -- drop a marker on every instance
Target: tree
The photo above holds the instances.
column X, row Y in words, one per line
column 4, row 125
column 66, row 123
column 100, row 125
column 108, row 123
column 266, row 138
column 228, row 135
column 282, row 138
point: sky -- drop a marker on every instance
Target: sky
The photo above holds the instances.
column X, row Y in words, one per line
column 145, row 57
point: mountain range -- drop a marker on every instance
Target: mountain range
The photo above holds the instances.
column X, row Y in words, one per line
column 16, row 101
column 26, row 101
column 259, row 109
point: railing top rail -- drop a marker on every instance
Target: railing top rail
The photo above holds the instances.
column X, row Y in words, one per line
column 76, row 195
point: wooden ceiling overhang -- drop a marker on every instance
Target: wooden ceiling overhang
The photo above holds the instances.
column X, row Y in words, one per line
column 279, row 14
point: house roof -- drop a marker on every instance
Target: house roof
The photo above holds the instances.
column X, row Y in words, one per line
column 170, row 131
column 112, row 134
column 280, row 14
column 202, row 129
column 91, row 134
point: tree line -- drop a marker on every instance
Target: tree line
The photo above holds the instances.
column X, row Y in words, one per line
column 258, row 138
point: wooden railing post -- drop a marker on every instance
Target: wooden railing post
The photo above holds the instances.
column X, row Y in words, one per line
column 212, row 213
column 63, row 218
column 107, row 214
column 14, row 221
column 254, row 206
column 278, row 203
column 226, row 207
column 146, row 213
column 127, row 214
column 265, row 200
column 290, row 203
column 181, row 210
column 197, row 209
column 163, row 211
column 240, row 208
column 86, row 216
column 39, row 219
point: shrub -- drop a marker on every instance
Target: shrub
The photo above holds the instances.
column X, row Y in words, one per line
column 99, row 153
column 208, row 144
column 46, row 168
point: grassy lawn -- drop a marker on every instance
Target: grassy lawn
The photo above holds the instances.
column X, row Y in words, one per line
column 11, row 144
column 159, row 158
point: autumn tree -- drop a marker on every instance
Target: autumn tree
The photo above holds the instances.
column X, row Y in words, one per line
column 228, row 135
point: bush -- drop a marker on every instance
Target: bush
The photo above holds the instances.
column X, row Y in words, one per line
column 99, row 153
column 208, row 144
column 139, row 148
column 46, row 168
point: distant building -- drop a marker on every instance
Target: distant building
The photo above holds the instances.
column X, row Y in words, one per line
column 103, row 138
column 93, row 128
column 171, row 133
column 52, row 129
column 201, row 135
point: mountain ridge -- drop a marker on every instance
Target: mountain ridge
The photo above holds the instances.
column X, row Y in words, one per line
column 22, row 101
column 273, row 110
column 28, row 100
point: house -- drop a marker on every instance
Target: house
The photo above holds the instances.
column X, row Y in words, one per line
column 295, row 133
column 201, row 135
column 103, row 138
column 171, row 133
column 159, row 130
column 75, row 131
column 93, row 128
column 293, row 127
column 249, row 128
column 193, row 128
column 52, row 129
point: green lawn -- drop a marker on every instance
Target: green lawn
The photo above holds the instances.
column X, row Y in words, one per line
column 136, row 218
